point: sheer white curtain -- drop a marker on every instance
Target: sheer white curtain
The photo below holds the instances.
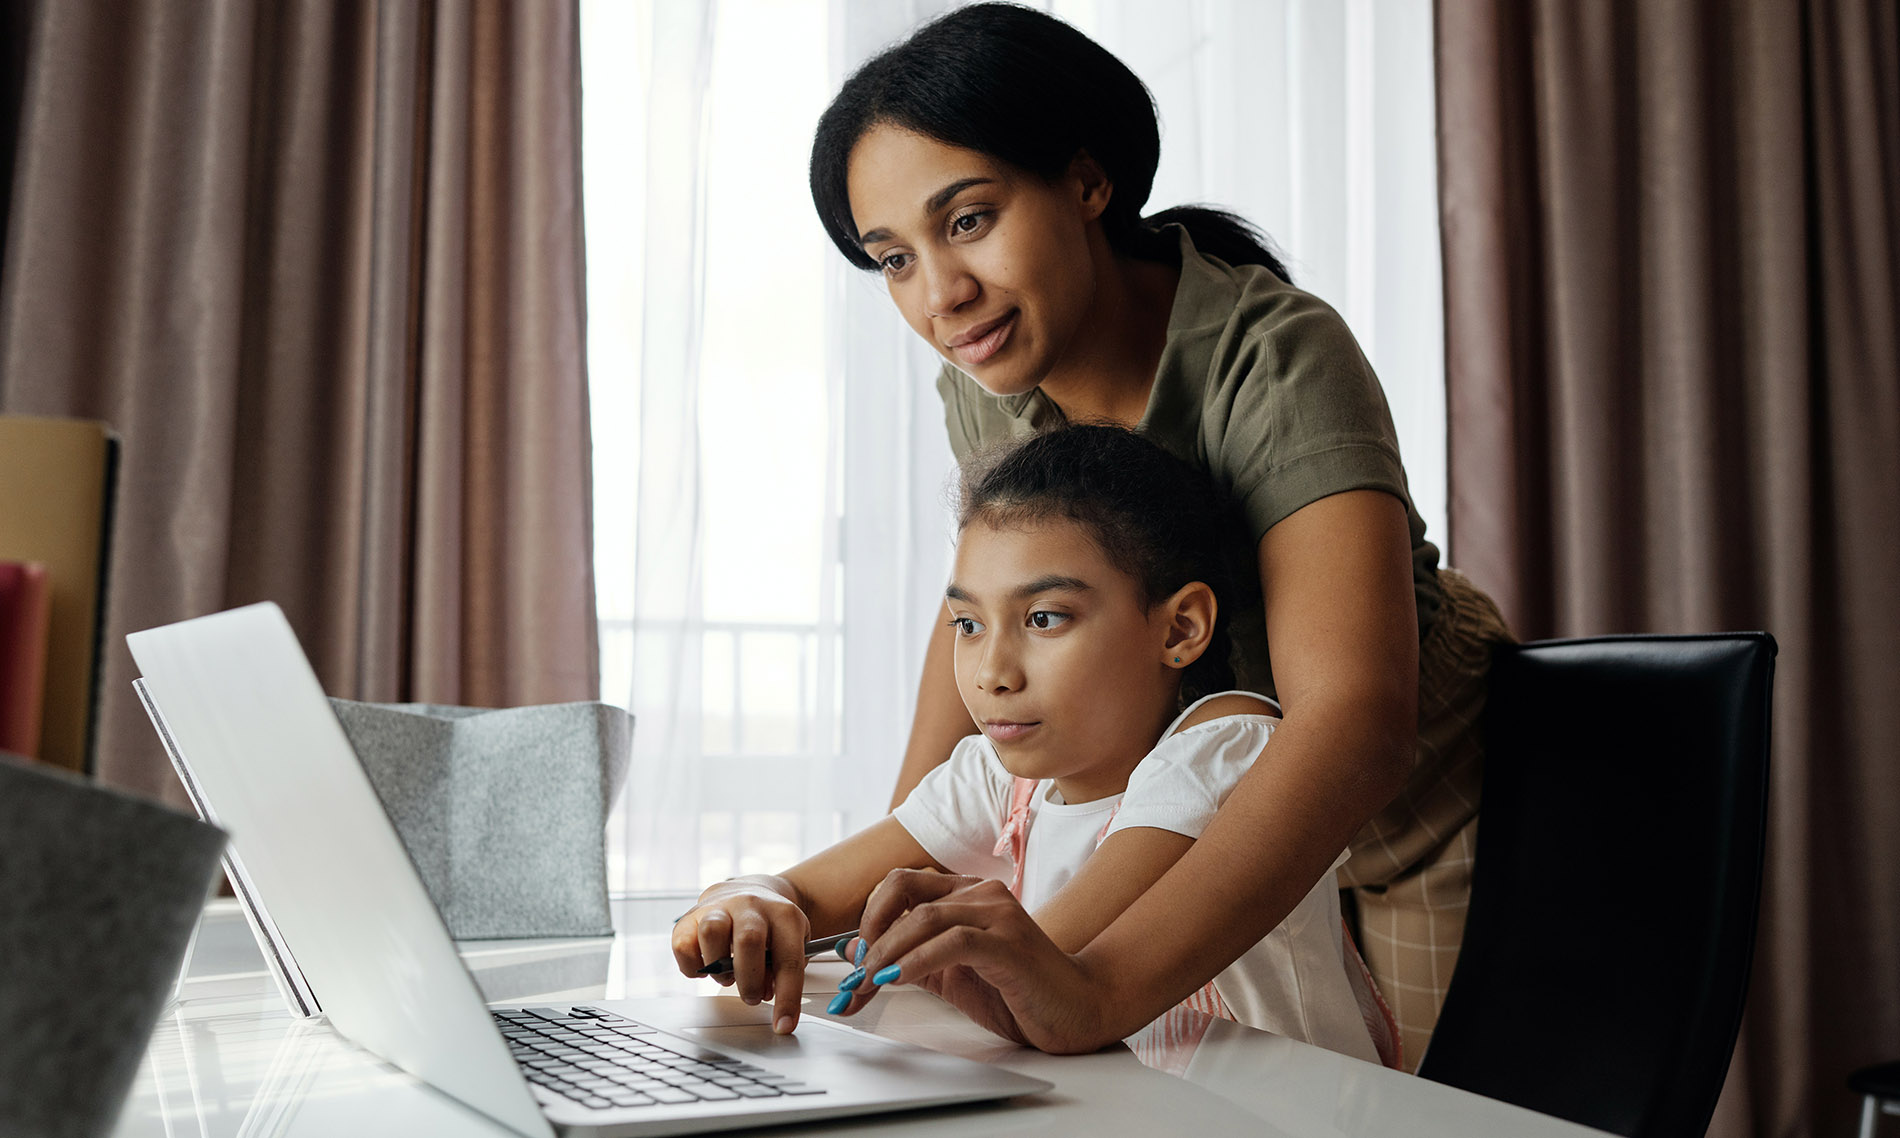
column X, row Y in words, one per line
column 898, row 470
column 716, row 431
column 771, row 469
column 1314, row 120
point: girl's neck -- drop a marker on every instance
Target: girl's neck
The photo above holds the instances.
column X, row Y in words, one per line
column 1109, row 369
column 1110, row 775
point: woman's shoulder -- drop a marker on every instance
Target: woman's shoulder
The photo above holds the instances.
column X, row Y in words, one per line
column 1249, row 310
column 1272, row 388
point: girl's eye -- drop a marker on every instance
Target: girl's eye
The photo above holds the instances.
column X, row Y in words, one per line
column 894, row 263
column 1046, row 620
column 965, row 626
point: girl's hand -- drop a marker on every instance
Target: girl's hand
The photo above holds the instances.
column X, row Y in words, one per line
column 745, row 918
column 968, row 940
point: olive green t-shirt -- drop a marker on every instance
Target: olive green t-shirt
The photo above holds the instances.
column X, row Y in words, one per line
column 1264, row 387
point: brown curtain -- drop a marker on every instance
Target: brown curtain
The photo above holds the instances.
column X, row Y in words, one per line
column 1672, row 289
column 320, row 265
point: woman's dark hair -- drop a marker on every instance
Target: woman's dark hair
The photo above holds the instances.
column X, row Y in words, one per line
column 1024, row 87
column 1154, row 517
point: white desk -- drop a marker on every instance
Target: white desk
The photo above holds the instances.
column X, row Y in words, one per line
column 229, row 1060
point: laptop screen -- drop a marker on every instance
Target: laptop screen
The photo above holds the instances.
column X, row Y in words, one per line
column 246, row 712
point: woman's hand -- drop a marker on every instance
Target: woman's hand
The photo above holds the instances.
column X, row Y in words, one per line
column 745, row 918
column 968, row 940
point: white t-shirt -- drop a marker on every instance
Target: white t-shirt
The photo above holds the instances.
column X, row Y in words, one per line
column 1293, row 982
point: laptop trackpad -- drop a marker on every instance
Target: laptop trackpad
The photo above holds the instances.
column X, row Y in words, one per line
column 767, row 1045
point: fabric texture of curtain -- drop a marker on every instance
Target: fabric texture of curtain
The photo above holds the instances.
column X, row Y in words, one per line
column 1672, row 291
column 320, row 266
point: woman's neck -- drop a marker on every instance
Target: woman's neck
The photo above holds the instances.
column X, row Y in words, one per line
column 1109, row 369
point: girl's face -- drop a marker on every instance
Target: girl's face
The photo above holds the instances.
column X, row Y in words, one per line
column 989, row 264
column 1059, row 662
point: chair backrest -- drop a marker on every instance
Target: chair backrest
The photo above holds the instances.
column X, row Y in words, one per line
column 1617, row 879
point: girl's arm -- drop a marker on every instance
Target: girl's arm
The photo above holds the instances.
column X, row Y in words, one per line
column 745, row 917
column 1337, row 576
column 941, row 718
column 1124, row 868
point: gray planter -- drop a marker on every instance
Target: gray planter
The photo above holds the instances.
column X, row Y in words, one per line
column 503, row 811
column 99, row 894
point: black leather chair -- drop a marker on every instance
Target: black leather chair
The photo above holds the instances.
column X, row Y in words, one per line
column 1879, row 1091
column 1618, row 874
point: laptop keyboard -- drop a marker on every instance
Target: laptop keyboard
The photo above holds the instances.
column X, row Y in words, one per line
column 601, row 1061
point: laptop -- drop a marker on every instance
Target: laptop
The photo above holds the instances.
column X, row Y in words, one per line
column 243, row 710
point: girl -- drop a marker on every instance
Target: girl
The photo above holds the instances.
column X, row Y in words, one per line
column 1091, row 645
column 993, row 168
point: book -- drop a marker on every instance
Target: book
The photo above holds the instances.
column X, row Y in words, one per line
column 25, row 606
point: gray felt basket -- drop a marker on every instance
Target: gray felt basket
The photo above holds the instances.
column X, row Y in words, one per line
column 503, row 811
column 99, row 893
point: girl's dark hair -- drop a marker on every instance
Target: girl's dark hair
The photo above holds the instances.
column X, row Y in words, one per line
column 1154, row 517
column 1024, row 87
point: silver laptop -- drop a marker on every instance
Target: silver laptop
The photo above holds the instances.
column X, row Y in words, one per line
column 269, row 760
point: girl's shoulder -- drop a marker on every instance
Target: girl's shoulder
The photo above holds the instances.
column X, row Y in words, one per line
column 973, row 778
column 1203, row 755
column 1221, row 706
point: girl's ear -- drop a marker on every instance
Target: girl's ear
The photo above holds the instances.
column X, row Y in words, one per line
column 1189, row 617
column 1096, row 188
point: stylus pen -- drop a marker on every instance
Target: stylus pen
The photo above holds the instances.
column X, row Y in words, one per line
column 812, row 948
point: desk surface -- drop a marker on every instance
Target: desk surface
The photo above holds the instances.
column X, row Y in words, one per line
column 227, row 1059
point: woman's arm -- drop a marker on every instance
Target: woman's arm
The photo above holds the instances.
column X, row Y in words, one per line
column 941, row 718
column 745, row 917
column 1127, row 863
column 1343, row 628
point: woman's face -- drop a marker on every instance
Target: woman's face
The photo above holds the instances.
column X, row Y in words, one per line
column 989, row 264
column 1057, row 658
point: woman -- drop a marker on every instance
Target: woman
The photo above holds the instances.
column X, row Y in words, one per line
column 993, row 167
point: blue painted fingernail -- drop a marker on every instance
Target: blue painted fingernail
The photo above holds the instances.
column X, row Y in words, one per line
column 851, row 982
column 839, row 1003
column 859, row 959
column 887, row 976
column 842, row 948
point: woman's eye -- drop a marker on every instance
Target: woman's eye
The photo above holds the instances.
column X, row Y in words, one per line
column 1046, row 620
column 965, row 224
column 894, row 263
column 965, row 626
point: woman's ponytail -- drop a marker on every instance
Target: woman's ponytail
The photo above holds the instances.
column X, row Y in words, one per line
column 1218, row 233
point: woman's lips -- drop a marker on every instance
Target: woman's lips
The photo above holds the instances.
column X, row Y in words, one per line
column 1003, row 731
column 974, row 352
